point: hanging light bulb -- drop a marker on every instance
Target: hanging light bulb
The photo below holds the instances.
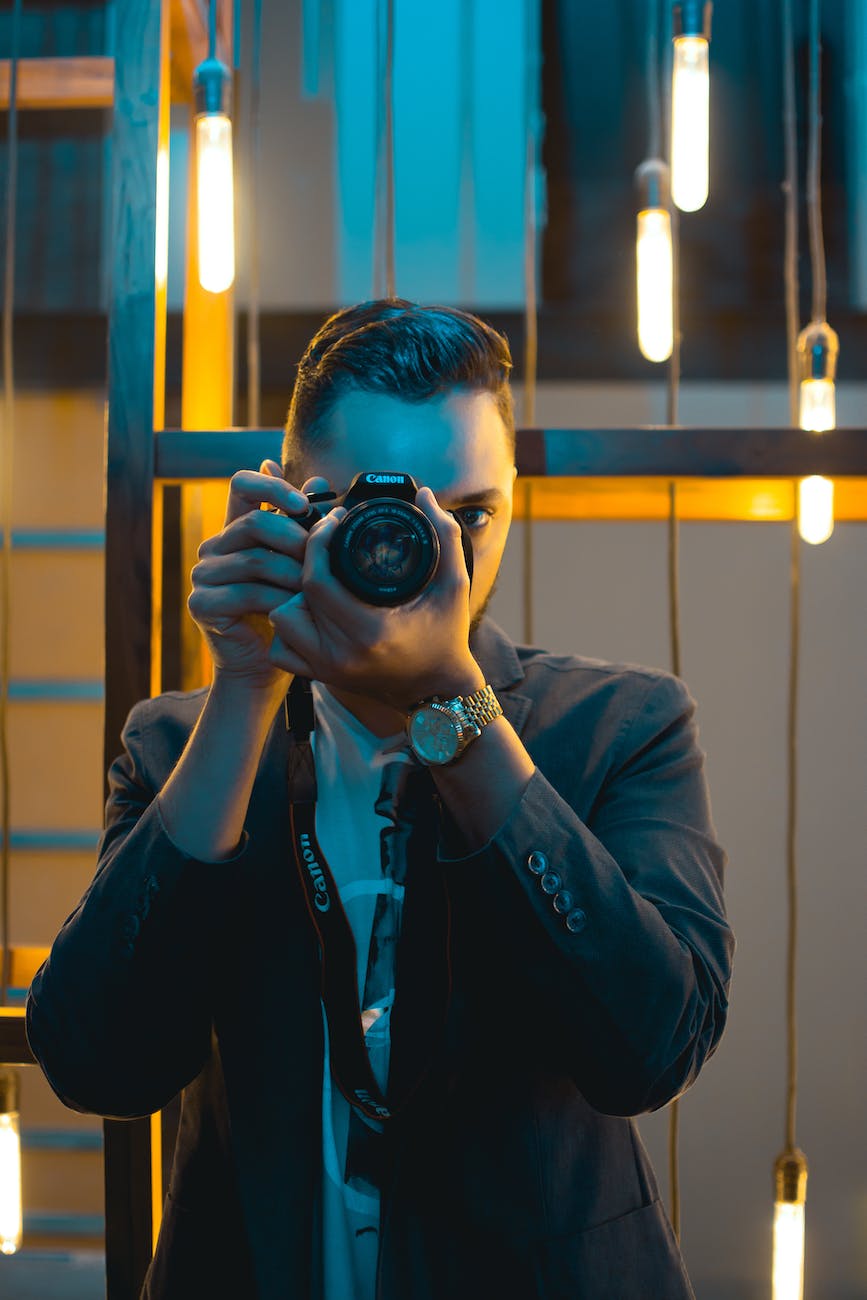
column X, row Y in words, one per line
column 818, row 347
column 215, row 176
column 10, row 1163
column 690, row 105
column 653, row 262
column 790, row 1178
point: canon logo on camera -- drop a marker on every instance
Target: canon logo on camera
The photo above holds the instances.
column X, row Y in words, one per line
column 385, row 478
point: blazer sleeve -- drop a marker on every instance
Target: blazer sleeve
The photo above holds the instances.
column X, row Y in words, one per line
column 119, row 1015
column 635, row 971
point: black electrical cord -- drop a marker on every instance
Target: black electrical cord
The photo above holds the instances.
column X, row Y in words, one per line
column 790, row 196
column 654, row 102
column 8, row 450
column 384, row 231
column 531, row 304
column 254, row 379
column 814, row 168
column 792, row 296
column 672, row 419
column 212, row 30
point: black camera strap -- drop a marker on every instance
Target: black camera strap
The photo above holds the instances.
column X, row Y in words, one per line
column 422, row 975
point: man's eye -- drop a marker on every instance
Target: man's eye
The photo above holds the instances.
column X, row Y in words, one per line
column 475, row 517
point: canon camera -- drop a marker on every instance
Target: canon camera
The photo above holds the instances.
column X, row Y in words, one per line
column 385, row 550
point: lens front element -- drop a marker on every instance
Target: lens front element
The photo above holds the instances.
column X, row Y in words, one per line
column 385, row 551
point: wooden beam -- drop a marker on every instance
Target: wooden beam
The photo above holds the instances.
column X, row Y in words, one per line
column 60, row 83
column 651, row 451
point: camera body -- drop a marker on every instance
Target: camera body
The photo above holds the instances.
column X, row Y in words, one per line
column 385, row 550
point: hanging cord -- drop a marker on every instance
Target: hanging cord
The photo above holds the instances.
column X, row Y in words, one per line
column 7, row 451
column 651, row 76
column 531, row 306
column 254, row 381
column 384, row 232
column 212, row 30
column 814, row 169
column 389, row 151
column 672, row 418
column 790, row 193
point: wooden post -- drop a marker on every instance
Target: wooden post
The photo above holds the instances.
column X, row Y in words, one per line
column 207, row 394
column 136, row 347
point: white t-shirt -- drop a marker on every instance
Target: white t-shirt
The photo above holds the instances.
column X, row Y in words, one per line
column 349, row 762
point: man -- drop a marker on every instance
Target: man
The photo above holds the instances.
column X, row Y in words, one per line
column 531, row 878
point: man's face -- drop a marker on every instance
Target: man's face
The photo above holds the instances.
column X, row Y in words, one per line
column 455, row 443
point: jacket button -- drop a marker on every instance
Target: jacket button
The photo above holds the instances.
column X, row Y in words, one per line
column 538, row 863
column 562, row 901
column 576, row 920
column 550, row 882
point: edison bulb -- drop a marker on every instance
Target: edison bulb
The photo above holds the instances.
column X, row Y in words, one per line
column 788, row 1266
column 216, row 202
column 654, row 274
column 10, row 1182
column 690, row 119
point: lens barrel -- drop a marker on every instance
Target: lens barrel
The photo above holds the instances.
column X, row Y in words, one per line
column 385, row 551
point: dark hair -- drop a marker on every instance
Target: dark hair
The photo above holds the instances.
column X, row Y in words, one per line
column 399, row 348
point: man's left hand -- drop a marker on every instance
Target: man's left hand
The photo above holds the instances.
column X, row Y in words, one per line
column 396, row 654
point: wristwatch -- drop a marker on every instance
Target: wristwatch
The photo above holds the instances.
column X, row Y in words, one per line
column 441, row 730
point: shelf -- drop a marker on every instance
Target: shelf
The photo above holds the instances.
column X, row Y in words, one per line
column 86, row 82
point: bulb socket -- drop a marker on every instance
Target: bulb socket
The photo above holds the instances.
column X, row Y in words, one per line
column 10, row 1092
column 818, row 346
column 790, row 1177
column 692, row 18
column 212, row 88
column 652, row 184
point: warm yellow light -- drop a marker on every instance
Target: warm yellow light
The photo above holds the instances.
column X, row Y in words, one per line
column 818, row 405
column 161, row 258
column 10, row 1182
column 216, row 202
column 654, row 274
column 690, row 107
column 788, row 1266
column 816, row 509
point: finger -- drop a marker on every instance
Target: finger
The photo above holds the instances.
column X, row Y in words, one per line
column 248, row 488
column 252, row 564
column 316, row 573
column 452, row 565
column 206, row 603
column 263, row 529
column 293, row 623
column 316, row 484
column 283, row 656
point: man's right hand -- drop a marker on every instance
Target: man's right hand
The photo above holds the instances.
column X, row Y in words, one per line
column 246, row 570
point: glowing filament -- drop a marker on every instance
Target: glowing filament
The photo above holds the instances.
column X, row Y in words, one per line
column 10, row 1183
column 690, row 107
column 788, row 1266
column 818, row 405
column 654, row 270
column 216, row 202
column 816, row 509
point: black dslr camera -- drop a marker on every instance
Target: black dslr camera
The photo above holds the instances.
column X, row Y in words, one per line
column 385, row 550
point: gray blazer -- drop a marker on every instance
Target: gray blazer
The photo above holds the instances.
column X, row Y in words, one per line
column 518, row 1170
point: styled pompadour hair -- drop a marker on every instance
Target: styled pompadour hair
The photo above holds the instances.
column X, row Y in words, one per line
column 399, row 348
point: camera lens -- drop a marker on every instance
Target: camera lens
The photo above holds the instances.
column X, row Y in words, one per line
column 385, row 551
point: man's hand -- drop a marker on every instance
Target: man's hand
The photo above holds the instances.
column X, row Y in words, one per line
column 396, row 655
column 247, row 569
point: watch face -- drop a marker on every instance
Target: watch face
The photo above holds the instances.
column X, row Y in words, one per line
column 434, row 734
